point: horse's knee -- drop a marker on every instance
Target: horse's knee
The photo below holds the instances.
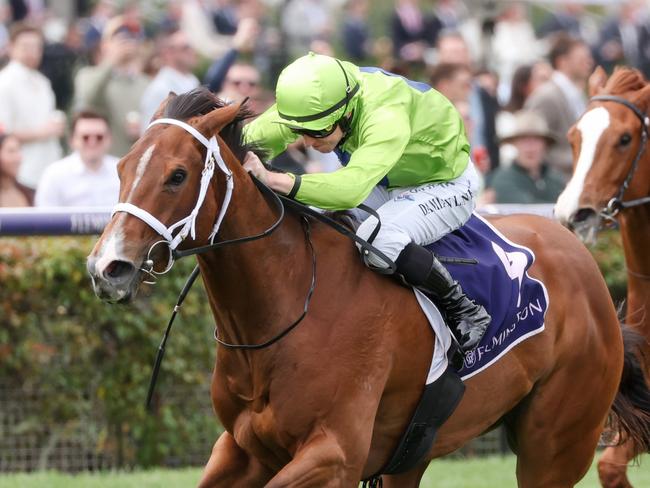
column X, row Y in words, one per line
column 230, row 466
column 319, row 464
column 612, row 475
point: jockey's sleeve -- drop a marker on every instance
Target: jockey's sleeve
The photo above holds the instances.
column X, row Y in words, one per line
column 383, row 140
column 266, row 132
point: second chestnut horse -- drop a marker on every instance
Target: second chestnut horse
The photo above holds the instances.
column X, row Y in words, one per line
column 611, row 180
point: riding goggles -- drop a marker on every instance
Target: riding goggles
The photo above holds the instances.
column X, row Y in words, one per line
column 316, row 134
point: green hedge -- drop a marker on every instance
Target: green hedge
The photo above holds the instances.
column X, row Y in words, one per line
column 92, row 361
column 611, row 260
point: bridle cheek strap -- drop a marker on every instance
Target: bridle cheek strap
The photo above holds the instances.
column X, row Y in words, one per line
column 188, row 224
column 616, row 203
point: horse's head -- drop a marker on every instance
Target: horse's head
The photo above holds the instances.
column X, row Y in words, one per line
column 609, row 153
column 174, row 185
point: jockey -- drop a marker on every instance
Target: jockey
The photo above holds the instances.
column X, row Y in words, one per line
column 404, row 153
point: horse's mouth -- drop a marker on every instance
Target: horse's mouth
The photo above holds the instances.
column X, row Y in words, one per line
column 113, row 295
column 585, row 224
column 586, row 232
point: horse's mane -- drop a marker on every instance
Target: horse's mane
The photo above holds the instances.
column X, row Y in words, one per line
column 625, row 80
column 201, row 101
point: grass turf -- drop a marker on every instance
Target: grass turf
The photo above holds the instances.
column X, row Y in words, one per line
column 491, row 472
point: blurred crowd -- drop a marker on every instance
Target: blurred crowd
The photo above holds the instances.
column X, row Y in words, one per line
column 80, row 80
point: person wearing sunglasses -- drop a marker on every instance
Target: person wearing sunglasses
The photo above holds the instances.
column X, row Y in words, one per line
column 88, row 176
column 404, row 152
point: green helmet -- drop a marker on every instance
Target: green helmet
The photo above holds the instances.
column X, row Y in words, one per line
column 315, row 91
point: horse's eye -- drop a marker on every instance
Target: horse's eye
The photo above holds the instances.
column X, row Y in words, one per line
column 177, row 177
column 625, row 139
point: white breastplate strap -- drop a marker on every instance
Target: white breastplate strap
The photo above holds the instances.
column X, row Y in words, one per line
column 188, row 223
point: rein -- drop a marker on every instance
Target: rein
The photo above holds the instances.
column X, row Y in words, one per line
column 187, row 227
column 616, row 204
column 295, row 323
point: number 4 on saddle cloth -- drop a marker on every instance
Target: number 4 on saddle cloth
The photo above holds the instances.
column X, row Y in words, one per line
column 500, row 282
column 517, row 304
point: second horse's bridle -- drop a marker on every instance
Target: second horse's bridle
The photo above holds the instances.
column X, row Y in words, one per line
column 616, row 204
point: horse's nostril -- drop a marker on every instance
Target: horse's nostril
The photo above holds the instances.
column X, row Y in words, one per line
column 118, row 269
column 582, row 215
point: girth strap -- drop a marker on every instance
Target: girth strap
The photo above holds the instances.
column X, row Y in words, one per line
column 438, row 401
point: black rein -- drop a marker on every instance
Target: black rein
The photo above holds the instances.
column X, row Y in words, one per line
column 280, row 202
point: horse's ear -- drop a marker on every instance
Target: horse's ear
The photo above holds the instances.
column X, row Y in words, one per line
column 213, row 122
column 642, row 98
column 163, row 105
column 597, row 81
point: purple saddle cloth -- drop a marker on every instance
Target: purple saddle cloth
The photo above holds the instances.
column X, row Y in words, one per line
column 500, row 282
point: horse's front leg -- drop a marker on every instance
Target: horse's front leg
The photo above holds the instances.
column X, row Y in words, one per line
column 230, row 466
column 321, row 462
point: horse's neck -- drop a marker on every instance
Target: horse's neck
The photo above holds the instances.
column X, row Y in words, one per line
column 256, row 288
column 635, row 230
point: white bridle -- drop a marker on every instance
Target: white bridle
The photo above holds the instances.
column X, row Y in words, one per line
column 188, row 223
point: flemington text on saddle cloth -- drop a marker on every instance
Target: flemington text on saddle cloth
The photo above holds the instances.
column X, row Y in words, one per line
column 500, row 282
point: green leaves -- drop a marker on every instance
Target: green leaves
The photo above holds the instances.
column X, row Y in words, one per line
column 608, row 252
column 92, row 361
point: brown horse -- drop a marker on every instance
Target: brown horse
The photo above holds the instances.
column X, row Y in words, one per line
column 612, row 180
column 327, row 404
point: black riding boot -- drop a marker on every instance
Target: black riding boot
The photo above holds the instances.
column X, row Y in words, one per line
column 467, row 320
